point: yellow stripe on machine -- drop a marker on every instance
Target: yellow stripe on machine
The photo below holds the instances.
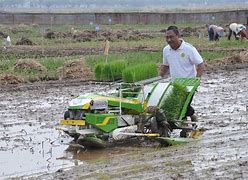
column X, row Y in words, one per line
column 118, row 99
column 72, row 122
column 152, row 135
column 86, row 106
column 140, row 134
column 105, row 121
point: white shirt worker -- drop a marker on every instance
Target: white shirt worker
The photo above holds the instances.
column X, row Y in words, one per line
column 183, row 61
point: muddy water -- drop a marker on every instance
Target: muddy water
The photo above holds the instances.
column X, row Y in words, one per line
column 29, row 142
column 30, row 146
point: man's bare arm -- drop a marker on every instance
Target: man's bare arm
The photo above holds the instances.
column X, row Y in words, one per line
column 200, row 69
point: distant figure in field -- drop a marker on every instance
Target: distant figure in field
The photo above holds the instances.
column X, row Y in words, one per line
column 239, row 31
column 215, row 32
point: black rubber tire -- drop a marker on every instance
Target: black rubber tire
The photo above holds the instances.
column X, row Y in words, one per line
column 165, row 129
column 66, row 115
column 154, row 125
column 183, row 133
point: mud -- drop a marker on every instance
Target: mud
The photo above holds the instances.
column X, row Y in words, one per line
column 75, row 70
column 29, row 142
column 31, row 147
column 113, row 35
column 26, row 48
column 25, row 41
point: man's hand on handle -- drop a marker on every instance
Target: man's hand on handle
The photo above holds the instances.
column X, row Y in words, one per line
column 163, row 70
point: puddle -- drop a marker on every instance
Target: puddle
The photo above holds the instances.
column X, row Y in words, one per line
column 33, row 160
column 29, row 143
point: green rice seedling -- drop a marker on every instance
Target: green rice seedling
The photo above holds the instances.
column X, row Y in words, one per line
column 117, row 67
column 131, row 58
column 93, row 60
column 98, row 71
column 139, row 72
column 109, row 71
column 106, row 72
column 173, row 103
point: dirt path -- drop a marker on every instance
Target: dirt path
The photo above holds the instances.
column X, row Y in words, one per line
column 31, row 147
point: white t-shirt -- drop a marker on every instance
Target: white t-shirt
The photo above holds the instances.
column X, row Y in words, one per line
column 182, row 62
column 236, row 27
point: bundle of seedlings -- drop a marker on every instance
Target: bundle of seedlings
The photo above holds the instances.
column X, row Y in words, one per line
column 173, row 103
column 139, row 72
column 109, row 71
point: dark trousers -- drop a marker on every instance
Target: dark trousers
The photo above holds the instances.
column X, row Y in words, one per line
column 230, row 34
column 190, row 110
column 211, row 34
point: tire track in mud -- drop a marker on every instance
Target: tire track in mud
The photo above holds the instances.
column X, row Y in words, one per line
column 44, row 85
column 223, row 147
column 220, row 153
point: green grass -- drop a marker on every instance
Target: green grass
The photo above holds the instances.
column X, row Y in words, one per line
column 232, row 43
column 35, row 32
column 50, row 63
column 6, row 64
column 222, row 43
column 132, row 58
column 211, row 56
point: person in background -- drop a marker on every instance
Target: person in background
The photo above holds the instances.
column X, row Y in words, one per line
column 182, row 60
column 238, row 30
column 215, row 32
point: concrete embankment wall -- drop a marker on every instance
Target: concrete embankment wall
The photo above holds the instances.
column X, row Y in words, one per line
column 240, row 16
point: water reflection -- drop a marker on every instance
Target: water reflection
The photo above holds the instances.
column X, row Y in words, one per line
column 24, row 156
column 77, row 152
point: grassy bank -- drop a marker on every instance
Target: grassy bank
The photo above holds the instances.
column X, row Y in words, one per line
column 154, row 40
column 52, row 64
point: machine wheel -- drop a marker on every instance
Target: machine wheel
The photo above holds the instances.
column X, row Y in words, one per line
column 66, row 115
column 165, row 129
column 154, row 125
column 184, row 133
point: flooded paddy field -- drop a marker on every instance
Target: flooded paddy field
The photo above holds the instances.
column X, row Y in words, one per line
column 31, row 147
